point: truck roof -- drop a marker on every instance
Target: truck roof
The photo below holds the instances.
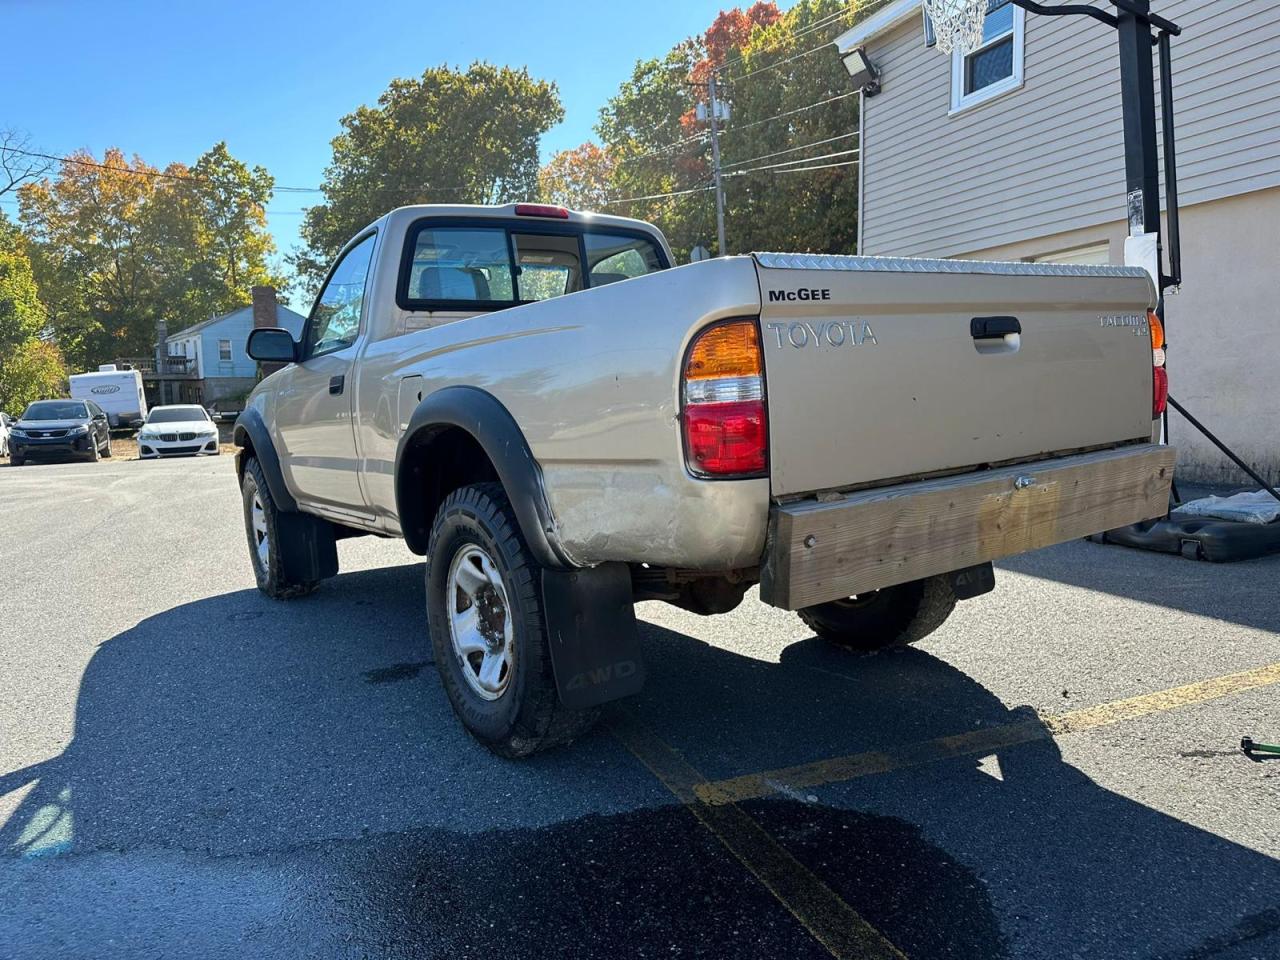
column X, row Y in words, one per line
column 400, row 217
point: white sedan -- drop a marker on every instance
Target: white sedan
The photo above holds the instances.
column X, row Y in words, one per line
column 181, row 430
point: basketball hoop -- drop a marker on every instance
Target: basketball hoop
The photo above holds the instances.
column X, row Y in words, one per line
column 957, row 24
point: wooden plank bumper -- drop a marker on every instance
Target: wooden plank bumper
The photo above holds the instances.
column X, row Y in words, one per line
column 826, row 550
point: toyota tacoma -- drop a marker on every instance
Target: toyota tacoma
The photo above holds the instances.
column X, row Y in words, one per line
column 563, row 422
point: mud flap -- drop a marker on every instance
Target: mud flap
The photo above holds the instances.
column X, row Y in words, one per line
column 308, row 549
column 591, row 629
column 972, row 581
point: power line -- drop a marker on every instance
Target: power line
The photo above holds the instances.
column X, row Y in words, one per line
column 791, row 163
column 852, row 8
column 803, row 146
column 778, row 63
column 160, row 174
column 789, row 113
column 823, row 166
column 816, row 25
column 658, row 196
column 669, row 148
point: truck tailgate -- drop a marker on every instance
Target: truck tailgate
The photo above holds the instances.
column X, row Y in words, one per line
column 886, row 368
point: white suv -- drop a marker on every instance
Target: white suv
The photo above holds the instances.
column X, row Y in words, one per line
column 183, row 430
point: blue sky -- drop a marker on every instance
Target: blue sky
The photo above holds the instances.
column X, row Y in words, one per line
column 168, row 80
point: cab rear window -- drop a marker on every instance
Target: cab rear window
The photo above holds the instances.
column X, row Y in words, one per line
column 469, row 267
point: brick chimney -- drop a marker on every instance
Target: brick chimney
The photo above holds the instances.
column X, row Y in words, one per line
column 264, row 307
column 264, row 315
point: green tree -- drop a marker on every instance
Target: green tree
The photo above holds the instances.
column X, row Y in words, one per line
column 446, row 137
column 34, row 370
column 118, row 244
column 657, row 149
column 21, row 314
column 579, row 178
column 790, row 207
column 768, row 64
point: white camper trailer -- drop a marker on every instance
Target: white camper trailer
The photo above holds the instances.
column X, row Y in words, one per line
column 117, row 391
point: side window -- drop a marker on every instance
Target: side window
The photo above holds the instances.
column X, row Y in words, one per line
column 335, row 319
column 995, row 66
column 614, row 257
column 460, row 264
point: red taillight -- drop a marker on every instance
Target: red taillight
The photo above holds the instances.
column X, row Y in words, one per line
column 1159, row 391
column 725, row 438
column 1159, row 375
column 541, row 210
column 726, row 433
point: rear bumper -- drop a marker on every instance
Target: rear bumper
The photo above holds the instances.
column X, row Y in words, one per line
column 863, row 541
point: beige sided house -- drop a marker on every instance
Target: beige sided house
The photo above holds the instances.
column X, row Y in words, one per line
column 1015, row 152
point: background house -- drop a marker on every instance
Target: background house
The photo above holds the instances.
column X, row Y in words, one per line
column 1015, row 152
column 206, row 362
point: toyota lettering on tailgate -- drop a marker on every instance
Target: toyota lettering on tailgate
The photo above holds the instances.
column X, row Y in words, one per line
column 827, row 333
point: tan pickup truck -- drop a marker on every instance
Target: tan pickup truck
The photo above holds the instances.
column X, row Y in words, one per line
column 563, row 422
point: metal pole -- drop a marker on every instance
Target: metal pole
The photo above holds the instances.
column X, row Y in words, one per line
column 1224, row 448
column 1170, row 162
column 721, row 250
column 1138, row 102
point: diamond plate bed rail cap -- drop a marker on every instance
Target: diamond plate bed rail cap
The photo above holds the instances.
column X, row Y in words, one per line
column 832, row 261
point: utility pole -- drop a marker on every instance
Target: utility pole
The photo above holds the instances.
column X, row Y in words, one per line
column 715, row 164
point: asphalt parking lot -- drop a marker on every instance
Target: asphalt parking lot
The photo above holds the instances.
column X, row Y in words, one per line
column 190, row 769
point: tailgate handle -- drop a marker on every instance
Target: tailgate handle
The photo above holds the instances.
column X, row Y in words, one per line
column 993, row 328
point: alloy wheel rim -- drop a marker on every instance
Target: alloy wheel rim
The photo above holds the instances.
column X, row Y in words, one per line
column 261, row 539
column 480, row 622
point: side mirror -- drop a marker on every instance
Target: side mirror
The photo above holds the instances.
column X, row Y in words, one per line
column 272, row 345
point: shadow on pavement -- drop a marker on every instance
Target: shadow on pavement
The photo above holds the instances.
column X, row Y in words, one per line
column 250, row 778
column 1241, row 593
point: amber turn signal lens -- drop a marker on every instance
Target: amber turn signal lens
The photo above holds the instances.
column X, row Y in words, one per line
column 726, row 350
column 1157, row 330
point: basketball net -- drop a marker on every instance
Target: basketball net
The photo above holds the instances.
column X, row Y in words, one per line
column 957, row 24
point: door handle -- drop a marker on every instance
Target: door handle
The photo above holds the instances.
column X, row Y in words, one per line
column 993, row 328
column 336, row 384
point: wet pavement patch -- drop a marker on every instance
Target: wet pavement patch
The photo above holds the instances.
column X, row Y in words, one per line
column 650, row 883
column 398, row 671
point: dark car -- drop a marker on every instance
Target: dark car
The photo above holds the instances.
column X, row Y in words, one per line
column 60, row 429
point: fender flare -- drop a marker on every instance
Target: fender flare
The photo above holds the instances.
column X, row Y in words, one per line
column 491, row 425
column 250, row 427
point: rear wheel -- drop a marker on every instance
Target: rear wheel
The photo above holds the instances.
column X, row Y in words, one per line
column 892, row 617
column 261, row 524
column 488, row 627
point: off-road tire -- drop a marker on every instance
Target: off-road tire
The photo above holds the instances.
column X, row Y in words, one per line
column 527, row 717
column 892, row 617
column 272, row 578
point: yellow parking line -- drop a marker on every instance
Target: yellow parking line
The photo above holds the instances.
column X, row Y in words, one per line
column 835, row 924
column 841, row 769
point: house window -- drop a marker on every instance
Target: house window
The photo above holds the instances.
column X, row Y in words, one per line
column 995, row 67
column 224, row 351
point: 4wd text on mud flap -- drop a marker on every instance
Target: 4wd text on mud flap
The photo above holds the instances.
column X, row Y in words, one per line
column 591, row 678
column 831, row 333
